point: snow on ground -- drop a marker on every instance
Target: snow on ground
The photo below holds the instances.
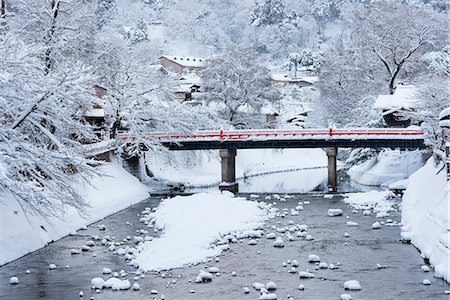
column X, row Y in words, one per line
column 192, row 224
column 425, row 216
column 379, row 201
column 179, row 166
column 389, row 166
column 106, row 196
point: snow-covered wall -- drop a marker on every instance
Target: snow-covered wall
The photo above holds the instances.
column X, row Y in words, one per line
column 425, row 215
column 21, row 234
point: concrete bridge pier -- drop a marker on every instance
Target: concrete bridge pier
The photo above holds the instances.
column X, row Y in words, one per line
column 228, row 161
column 332, row 169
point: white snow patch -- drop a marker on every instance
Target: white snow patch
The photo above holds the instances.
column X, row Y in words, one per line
column 379, row 201
column 191, row 224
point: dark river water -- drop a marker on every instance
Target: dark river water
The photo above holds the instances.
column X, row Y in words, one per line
column 400, row 277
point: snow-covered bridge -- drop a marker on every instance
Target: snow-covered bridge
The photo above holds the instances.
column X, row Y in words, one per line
column 331, row 139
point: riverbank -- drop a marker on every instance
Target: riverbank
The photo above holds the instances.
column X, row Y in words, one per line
column 21, row 234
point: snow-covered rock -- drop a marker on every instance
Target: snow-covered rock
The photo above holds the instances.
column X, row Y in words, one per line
column 213, row 270
column 14, row 280
column 313, row 258
column 334, row 212
column 246, row 290
column 271, row 286
column 301, row 287
column 278, row 243
column 406, row 236
column 425, row 268
column 323, row 265
column 426, row 282
column 352, row 224
column 376, row 225
column 304, row 274
column 136, row 286
column 52, row 266
column 106, row 271
column 258, row 286
column 270, row 236
column 97, row 283
column 352, row 285
column 270, row 296
column 204, row 277
column 346, row 297
column 252, row 242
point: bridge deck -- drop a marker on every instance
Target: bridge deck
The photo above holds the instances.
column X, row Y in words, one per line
column 301, row 138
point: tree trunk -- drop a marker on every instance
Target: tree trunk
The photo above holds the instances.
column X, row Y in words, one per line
column 3, row 9
column 391, row 86
column 50, row 35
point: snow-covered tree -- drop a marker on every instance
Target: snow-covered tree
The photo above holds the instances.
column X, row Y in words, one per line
column 236, row 81
column 395, row 34
column 41, row 157
column 434, row 93
column 294, row 61
column 347, row 92
column 267, row 12
column 306, row 58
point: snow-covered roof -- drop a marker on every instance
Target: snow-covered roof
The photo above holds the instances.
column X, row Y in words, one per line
column 286, row 78
column 404, row 97
column 185, row 61
column 191, row 78
column 184, row 88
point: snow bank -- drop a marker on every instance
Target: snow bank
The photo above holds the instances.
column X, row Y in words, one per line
column 389, row 166
column 107, row 195
column 191, row 224
column 425, row 214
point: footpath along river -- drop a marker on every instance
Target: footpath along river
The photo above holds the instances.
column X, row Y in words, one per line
column 356, row 257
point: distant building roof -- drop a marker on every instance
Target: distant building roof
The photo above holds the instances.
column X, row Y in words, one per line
column 288, row 79
column 404, row 97
column 184, row 61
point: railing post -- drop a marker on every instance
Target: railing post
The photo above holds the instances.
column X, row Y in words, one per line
column 332, row 169
column 228, row 162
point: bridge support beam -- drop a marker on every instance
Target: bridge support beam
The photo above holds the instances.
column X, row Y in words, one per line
column 332, row 169
column 228, row 158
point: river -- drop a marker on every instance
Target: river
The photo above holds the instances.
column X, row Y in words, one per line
column 400, row 276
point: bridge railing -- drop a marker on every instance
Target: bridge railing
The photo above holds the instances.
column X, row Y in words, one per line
column 269, row 134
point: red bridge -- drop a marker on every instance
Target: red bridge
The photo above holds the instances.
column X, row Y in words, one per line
column 331, row 139
column 278, row 138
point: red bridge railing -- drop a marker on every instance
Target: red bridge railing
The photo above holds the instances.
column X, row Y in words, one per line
column 273, row 134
